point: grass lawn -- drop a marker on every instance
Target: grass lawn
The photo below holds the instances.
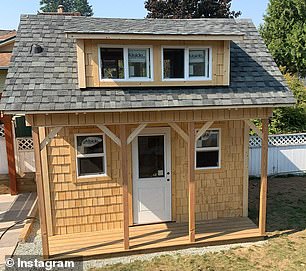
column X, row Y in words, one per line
column 285, row 250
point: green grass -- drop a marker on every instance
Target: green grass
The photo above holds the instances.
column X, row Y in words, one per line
column 285, row 250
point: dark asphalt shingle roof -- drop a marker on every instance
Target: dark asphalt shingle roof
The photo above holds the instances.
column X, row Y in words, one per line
column 154, row 26
column 48, row 81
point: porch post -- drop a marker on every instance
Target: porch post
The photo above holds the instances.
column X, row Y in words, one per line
column 9, row 141
column 40, row 192
column 191, row 180
column 264, row 173
column 124, row 176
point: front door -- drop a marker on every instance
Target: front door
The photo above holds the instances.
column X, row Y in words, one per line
column 152, row 176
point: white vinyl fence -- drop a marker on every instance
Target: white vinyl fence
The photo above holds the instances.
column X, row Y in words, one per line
column 24, row 154
column 287, row 154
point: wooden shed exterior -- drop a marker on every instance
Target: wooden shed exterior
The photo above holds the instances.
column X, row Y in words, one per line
column 141, row 129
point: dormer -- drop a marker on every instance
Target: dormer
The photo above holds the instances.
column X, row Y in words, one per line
column 154, row 52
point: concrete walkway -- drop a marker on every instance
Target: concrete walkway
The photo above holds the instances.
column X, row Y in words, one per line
column 13, row 209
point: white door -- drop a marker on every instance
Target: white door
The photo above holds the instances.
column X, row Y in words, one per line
column 152, row 176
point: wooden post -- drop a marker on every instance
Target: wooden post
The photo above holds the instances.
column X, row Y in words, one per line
column 264, row 181
column 191, row 180
column 45, row 180
column 124, row 176
column 40, row 193
column 9, row 141
column 246, row 140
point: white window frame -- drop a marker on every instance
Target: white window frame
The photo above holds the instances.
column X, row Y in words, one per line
column 186, row 63
column 78, row 155
column 150, row 67
column 209, row 149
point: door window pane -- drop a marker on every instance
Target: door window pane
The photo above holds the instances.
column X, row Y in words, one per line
column 112, row 63
column 138, row 62
column 91, row 166
column 151, row 156
column 174, row 63
column 197, row 63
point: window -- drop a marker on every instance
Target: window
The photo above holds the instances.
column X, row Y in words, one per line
column 90, row 155
column 198, row 63
column 208, row 150
column 112, row 63
column 126, row 63
column 174, row 63
column 186, row 63
column 139, row 63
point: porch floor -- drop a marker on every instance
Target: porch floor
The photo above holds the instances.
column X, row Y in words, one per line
column 154, row 237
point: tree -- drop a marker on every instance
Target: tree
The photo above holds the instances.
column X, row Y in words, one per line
column 291, row 119
column 81, row 6
column 284, row 32
column 186, row 9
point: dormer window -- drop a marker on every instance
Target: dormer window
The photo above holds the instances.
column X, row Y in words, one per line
column 186, row 63
column 124, row 63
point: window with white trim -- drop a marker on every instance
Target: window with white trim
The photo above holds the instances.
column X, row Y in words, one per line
column 186, row 63
column 208, row 150
column 126, row 63
column 90, row 155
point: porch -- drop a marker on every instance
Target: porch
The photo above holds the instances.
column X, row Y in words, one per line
column 154, row 237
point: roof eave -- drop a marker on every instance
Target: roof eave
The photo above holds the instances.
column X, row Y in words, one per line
column 149, row 108
column 7, row 41
column 116, row 36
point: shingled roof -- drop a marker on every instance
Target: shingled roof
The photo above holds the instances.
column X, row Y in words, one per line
column 48, row 81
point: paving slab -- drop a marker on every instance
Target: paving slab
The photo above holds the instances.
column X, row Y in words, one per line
column 12, row 210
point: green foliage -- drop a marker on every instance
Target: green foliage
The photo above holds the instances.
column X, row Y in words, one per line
column 186, row 9
column 81, row 6
column 284, row 32
column 289, row 119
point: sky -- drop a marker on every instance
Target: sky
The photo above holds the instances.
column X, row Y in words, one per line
column 10, row 13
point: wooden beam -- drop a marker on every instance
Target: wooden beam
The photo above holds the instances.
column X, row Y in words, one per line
column 246, row 139
column 27, row 229
column 40, row 193
column 179, row 130
column 49, row 137
column 109, row 133
column 9, row 142
column 124, row 176
column 80, row 46
column 191, row 180
column 46, row 181
column 203, row 129
column 136, row 132
column 254, row 127
column 264, row 177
